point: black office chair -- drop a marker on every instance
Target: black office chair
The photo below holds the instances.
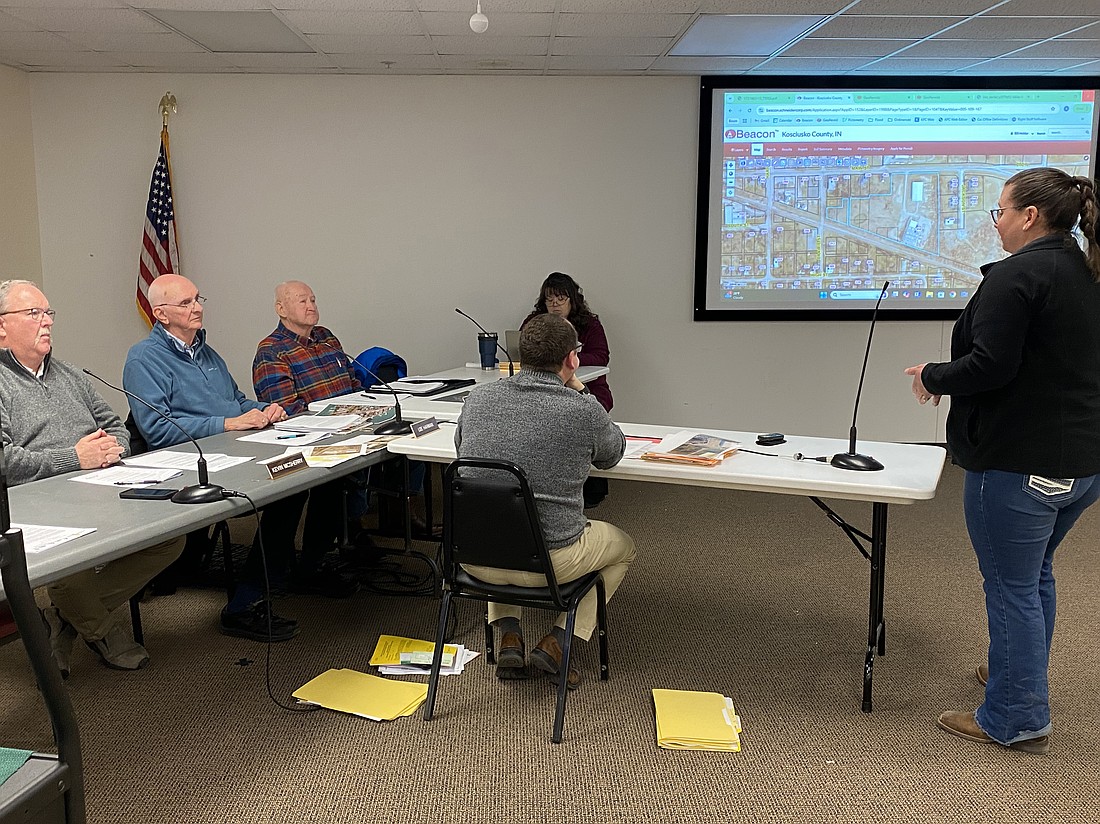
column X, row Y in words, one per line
column 491, row 520
column 46, row 788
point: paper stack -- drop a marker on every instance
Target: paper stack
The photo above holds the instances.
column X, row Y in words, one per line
column 689, row 720
column 365, row 695
column 394, row 655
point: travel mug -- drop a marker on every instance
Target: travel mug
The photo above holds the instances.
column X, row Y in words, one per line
column 487, row 346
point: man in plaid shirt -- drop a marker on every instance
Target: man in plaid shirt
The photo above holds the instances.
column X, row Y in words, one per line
column 297, row 364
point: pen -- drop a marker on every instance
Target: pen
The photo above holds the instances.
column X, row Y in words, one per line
column 365, row 395
column 134, row 483
column 288, row 437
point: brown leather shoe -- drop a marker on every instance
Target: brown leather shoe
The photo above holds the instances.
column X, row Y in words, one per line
column 511, row 652
column 547, row 657
column 963, row 725
column 983, row 674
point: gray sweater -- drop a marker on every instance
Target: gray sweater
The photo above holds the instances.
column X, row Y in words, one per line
column 554, row 433
column 42, row 419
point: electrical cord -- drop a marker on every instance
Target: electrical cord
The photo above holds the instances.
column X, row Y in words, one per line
column 295, row 708
column 797, row 456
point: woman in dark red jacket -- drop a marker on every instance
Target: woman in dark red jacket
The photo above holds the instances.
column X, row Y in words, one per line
column 560, row 295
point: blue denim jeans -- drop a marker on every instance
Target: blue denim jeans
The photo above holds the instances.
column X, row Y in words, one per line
column 1016, row 522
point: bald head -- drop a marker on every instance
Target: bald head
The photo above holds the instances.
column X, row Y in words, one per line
column 175, row 305
column 296, row 306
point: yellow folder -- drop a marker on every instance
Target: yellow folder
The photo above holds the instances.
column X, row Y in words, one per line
column 387, row 652
column 688, row 720
column 358, row 693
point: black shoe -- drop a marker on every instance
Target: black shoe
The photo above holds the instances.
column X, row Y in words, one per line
column 252, row 623
column 326, row 582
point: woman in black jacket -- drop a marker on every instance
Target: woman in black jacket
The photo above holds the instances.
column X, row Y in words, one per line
column 1024, row 381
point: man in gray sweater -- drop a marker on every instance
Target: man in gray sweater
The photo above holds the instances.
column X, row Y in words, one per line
column 53, row 421
column 545, row 421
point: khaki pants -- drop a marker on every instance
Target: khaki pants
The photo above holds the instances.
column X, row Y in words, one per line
column 87, row 599
column 601, row 547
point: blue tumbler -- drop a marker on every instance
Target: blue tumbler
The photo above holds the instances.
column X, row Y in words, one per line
column 487, row 347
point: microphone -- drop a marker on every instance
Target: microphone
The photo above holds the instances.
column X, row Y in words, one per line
column 851, row 459
column 511, row 367
column 397, row 426
column 203, row 492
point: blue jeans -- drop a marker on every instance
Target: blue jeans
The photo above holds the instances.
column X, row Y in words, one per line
column 1016, row 522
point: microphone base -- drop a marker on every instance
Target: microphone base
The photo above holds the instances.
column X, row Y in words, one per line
column 851, row 460
column 199, row 494
column 394, row 428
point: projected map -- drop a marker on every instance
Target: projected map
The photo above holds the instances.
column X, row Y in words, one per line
column 830, row 197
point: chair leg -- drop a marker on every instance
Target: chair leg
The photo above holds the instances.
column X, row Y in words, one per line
column 601, row 629
column 490, row 644
column 135, row 618
column 221, row 533
column 437, row 657
column 563, row 675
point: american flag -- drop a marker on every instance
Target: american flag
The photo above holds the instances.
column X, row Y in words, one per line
column 159, row 255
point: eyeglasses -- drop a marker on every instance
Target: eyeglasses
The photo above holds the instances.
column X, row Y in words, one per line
column 187, row 304
column 556, row 300
column 578, row 348
column 996, row 213
column 34, row 313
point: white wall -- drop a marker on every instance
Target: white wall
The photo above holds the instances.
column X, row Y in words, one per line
column 19, row 248
column 400, row 198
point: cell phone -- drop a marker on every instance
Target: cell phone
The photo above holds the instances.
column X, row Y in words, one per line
column 770, row 439
column 146, row 494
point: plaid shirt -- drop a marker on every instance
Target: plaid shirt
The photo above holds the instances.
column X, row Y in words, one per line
column 294, row 371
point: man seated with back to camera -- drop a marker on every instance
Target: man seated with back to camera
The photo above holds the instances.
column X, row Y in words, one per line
column 54, row 421
column 297, row 364
column 547, row 422
column 176, row 371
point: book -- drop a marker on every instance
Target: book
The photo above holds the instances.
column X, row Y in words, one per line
column 698, row 450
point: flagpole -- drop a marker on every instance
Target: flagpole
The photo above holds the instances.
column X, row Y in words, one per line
column 159, row 245
column 167, row 109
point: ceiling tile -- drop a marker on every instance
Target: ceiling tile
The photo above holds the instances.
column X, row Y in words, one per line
column 1045, row 8
column 610, row 45
column 891, row 28
column 513, row 25
column 1017, row 28
column 352, row 22
column 836, row 47
column 398, row 63
column 745, row 35
column 476, row 44
column 488, row 7
column 622, row 25
column 167, row 41
column 33, row 41
column 813, row 7
column 814, row 65
column 939, row 65
column 333, row 5
column 1083, row 49
column 9, row 23
column 95, row 20
column 945, row 8
column 64, row 4
column 961, row 48
column 1020, row 65
column 622, row 6
column 600, row 63
column 704, row 65
column 193, row 61
column 1084, row 69
column 511, row 62
column 252, row 60
column 368, row 44
column 62, row 59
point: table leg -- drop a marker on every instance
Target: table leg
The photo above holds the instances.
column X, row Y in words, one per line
column 876, row 623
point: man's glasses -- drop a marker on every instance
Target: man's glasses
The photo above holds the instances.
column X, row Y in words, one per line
column 187, row 304
column 34, row 313
column 996, row 213
column 578, row 348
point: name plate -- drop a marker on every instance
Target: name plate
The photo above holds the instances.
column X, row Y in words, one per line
column 424, row 427
column 286, row 464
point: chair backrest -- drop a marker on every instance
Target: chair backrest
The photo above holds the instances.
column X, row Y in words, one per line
column 382, row 362
column 490, row 519
column 138, row 444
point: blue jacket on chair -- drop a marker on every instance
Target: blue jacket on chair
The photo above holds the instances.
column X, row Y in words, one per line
column 376, row 359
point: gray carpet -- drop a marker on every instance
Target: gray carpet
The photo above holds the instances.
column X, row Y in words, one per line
column 755, row 596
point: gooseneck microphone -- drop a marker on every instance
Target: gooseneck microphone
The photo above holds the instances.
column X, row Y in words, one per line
column 851, row 459
column 508, row 357
column 397, row 426
column 203, row 492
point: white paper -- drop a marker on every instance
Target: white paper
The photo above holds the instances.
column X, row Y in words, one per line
column 280, row 438
column 40, row 538
column 411, row 388
column 636, row 446
column 463, row 657
column 215, row 461
column 122, row 475
column 317, row 423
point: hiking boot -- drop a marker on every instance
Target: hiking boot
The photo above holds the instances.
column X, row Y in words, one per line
column 118, row 650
